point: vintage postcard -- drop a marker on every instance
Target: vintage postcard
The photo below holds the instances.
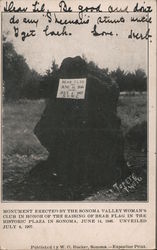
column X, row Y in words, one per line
column 78, row 124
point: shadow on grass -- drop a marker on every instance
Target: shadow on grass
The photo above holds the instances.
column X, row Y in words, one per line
column 42, row 184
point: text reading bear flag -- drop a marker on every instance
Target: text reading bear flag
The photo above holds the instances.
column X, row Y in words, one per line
column 79, row 126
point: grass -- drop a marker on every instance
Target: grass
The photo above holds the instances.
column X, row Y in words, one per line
column 19, row 120
column 22, row 150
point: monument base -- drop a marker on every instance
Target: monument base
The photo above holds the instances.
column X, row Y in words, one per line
column 86, row 155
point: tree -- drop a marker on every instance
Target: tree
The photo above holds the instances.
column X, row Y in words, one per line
column 130, row 81
column 141, row 80
column 15, row 70
column 31, row 90
column 47, row 80
column 17, row 76
column 94, row 69
column 120, row 77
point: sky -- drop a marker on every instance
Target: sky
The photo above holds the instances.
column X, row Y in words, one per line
column 106, row 51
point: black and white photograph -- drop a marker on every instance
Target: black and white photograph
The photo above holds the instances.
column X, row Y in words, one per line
column 75, row 104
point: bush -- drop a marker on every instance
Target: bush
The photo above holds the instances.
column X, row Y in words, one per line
column 137, row 136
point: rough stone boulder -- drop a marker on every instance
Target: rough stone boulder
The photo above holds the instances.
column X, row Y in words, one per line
column 83, row 136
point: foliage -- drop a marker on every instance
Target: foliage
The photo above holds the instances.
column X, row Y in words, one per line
column 132, row 110
column 31, row 90
column 93, row 69
column 14, row 66
column 47, row 80
column 130, row 81
column 138, row 135
column 127, row 81
column 19, row 81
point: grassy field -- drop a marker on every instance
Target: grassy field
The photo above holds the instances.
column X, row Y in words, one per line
column 19, row 120
column 22, row 151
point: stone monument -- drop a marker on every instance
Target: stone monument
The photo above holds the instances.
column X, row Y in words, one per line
column 80, row 128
